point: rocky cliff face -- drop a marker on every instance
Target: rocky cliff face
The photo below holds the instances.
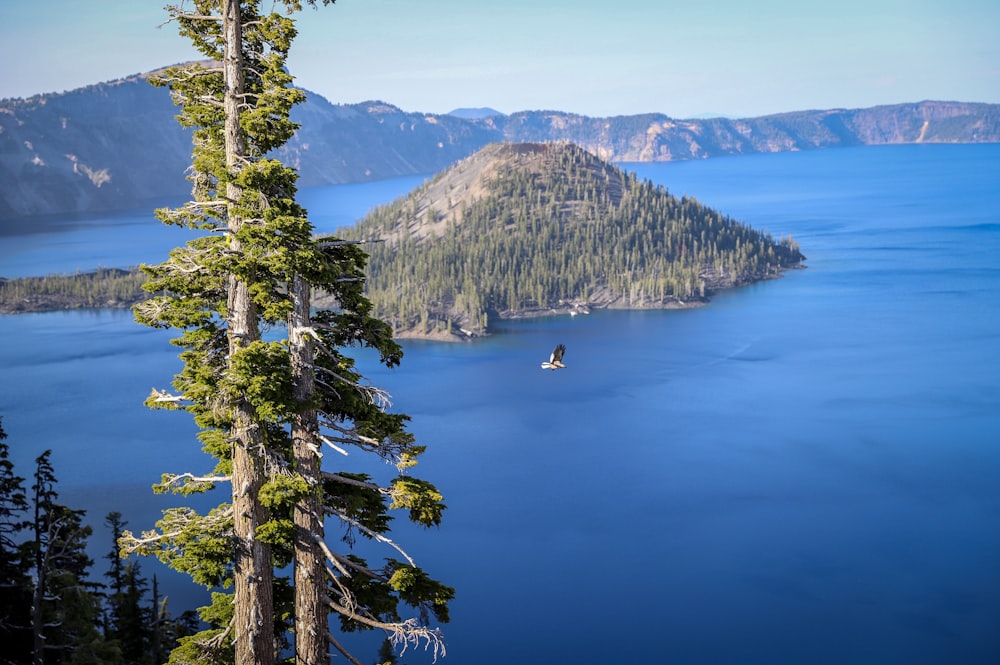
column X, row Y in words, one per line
column 656, row 137
column 117, row 145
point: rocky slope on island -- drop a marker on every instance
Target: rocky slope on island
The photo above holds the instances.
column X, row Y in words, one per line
column 536, row 228
column 116, row 145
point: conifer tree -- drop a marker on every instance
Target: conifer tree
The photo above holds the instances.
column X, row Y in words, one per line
column 128, row 623
column 261, row 403
column 65, row 607
column 15, row 582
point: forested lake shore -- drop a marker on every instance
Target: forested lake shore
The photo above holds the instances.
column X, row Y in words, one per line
column 514, row 231
column 117, row 288
column 104, row 288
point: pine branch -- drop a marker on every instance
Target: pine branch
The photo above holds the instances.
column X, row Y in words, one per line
column 336, row 477
column 403, row 633
column 371, row 534
column 161, row 396
column 171, row 479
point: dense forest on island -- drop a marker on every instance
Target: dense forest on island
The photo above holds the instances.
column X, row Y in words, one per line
column 520, row 229
column 107, row 288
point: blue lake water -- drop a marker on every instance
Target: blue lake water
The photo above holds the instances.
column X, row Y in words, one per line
column 804, row 471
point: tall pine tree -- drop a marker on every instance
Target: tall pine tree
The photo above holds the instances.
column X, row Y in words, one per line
column 263, row 405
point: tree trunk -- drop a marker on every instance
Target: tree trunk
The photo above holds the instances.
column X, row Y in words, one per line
column 38, row 593
column 310, row 611
column 253, row 572
column 37, row 632
column 154, row 646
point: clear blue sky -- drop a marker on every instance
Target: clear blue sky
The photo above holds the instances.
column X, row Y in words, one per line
column 739, row 58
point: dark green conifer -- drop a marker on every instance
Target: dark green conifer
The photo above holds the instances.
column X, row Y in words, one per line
column 15, row 580
column 65, row 605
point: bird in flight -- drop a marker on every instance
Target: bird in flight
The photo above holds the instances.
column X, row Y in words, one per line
column 555, row 360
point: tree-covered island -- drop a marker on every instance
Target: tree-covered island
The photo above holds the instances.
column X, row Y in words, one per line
column 537, row 228
column 513, row 230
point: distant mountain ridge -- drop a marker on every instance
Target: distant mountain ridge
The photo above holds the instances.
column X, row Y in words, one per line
column 116, row 145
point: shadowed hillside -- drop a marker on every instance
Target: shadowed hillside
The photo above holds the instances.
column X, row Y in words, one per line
column 117, row 145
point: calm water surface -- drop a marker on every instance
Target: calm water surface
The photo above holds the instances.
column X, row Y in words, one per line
column 805, row 471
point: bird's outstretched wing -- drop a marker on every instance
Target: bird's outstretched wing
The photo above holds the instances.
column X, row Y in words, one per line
column 557, row 354
column 555, row 360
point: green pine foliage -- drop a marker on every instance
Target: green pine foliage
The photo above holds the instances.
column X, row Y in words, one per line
column 274, row 402
column 545, row 226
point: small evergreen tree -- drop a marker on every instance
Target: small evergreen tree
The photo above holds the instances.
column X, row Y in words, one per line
column 65, row 606
column 166, row 632
column 128, row 623
column 15, row 580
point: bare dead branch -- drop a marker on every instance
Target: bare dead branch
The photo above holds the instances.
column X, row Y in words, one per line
column 276, row 464
column 324, row 384
column 177, row 13
column 339, row 647
column 332, row 558
column 356, row 439
column 209, row 101
column 330, row 510
column 171, row 479
column 351, row 436
column 336, row 477
column 214, row 644
column 129, row 543
column 204, row 204
column 404, row 633
column 333, row 445
column 375, row 395
column 162, row 396
column 358, row 568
